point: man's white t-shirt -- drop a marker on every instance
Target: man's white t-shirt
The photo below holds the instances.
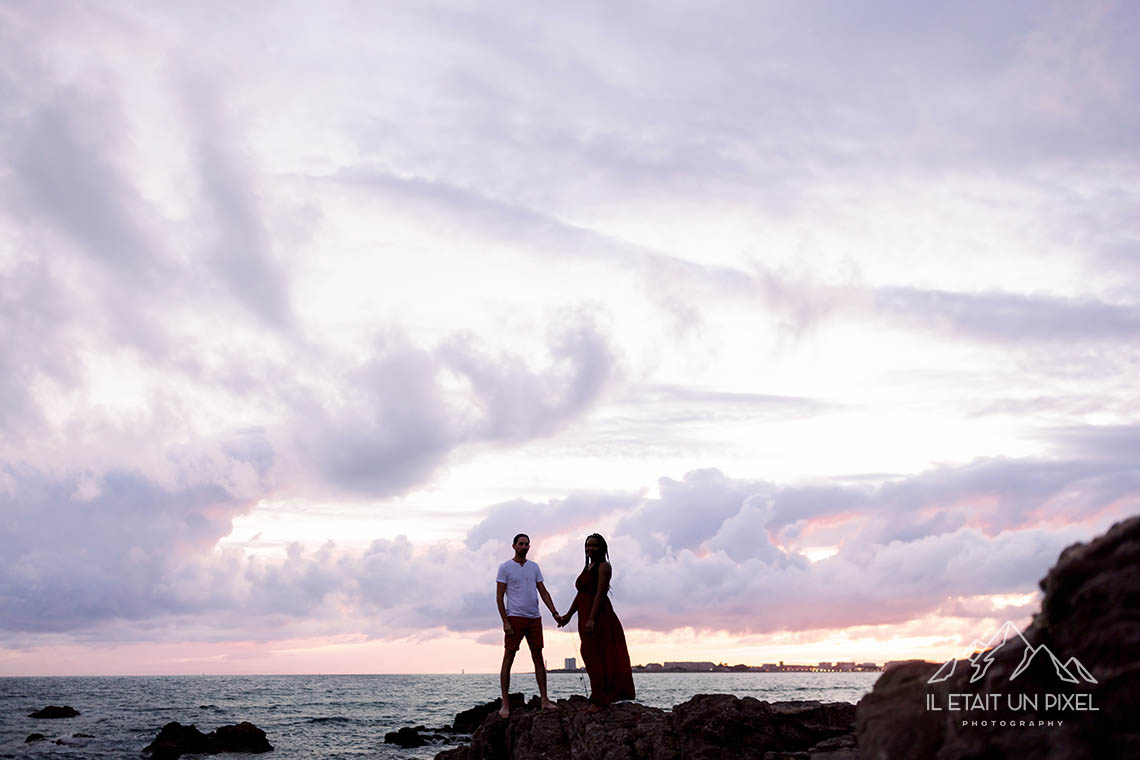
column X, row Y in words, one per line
column 522, row 587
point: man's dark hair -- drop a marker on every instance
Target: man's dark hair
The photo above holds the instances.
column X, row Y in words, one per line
column 520, row 535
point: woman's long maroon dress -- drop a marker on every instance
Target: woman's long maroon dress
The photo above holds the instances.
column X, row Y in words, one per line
column 603, row 651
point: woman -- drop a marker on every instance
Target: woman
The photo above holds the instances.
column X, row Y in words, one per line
column 603, row 640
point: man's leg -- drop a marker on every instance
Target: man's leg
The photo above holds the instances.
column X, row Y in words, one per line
column 505, row 681
column 540, row 676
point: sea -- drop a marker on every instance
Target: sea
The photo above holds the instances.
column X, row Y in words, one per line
column 328, row 716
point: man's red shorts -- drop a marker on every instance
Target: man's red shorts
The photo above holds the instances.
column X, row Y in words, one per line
column 531, row 628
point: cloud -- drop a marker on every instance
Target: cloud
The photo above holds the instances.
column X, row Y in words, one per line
column 1011, row 318
column 557, row 516
column 711, row 552
column 80, row 551
column 242, row 257
column 394, row 418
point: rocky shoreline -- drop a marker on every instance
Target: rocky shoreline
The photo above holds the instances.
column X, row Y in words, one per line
column 706, row 727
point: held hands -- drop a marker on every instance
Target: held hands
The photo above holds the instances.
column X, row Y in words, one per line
column 562, row 619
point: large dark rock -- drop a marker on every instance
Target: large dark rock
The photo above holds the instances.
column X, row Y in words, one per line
column 467, row 721
column 175, row 740
column 712, row 726
column 406, row 737
column 34, row 738
column 717, row 725
column 244, row 737
column 1089, row 622
column 53, row 711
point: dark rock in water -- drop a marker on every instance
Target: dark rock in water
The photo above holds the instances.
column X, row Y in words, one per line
column 53, row 711
column 406, row 737
column 175, row 740
column 244, row 737
column 418, row 736
column 1082, row 651
column 76, row 740
column 83, row 736
column 707, row 727
column 34, row 738
column 467, row 721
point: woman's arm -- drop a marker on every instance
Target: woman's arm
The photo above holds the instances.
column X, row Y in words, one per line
column 569, row 613
column 604, row 573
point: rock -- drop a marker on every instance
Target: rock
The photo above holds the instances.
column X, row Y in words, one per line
column 707, row 727
column 747, row 728
column 76, row 740
column 1090, row 615
column 34, row 738
column 244, row 737
column 405, row 737
column 52, row 711
column 467, row 721
column 175, row 740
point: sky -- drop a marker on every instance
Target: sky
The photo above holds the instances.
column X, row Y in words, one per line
column 826, row 315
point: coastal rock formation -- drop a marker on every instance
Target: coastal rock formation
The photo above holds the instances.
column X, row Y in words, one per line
column 706, row 727
column 34, row 738
column 1079, row 659
column 175, row 740
column 467, row 721
column 54, row 711
column 465, row 724
column 406, row 737
column 418, row 736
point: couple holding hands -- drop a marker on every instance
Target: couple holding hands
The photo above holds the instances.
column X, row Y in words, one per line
column 519, row 585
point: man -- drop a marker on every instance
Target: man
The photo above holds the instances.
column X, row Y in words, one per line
column 520, row 582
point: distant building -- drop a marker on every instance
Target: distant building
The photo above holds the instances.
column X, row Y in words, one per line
column 571, row 663
column 825, row 666
column 691, row 667
column 868, row 666
column 654, row 667
column 845, row 666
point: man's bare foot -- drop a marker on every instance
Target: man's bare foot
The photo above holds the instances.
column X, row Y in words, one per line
column 594, row 709
column 505, row 710
column 548, row 705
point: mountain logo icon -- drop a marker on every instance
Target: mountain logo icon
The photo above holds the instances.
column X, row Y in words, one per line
column 1009, row 639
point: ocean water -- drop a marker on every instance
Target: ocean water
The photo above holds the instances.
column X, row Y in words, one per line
column 329, row 716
